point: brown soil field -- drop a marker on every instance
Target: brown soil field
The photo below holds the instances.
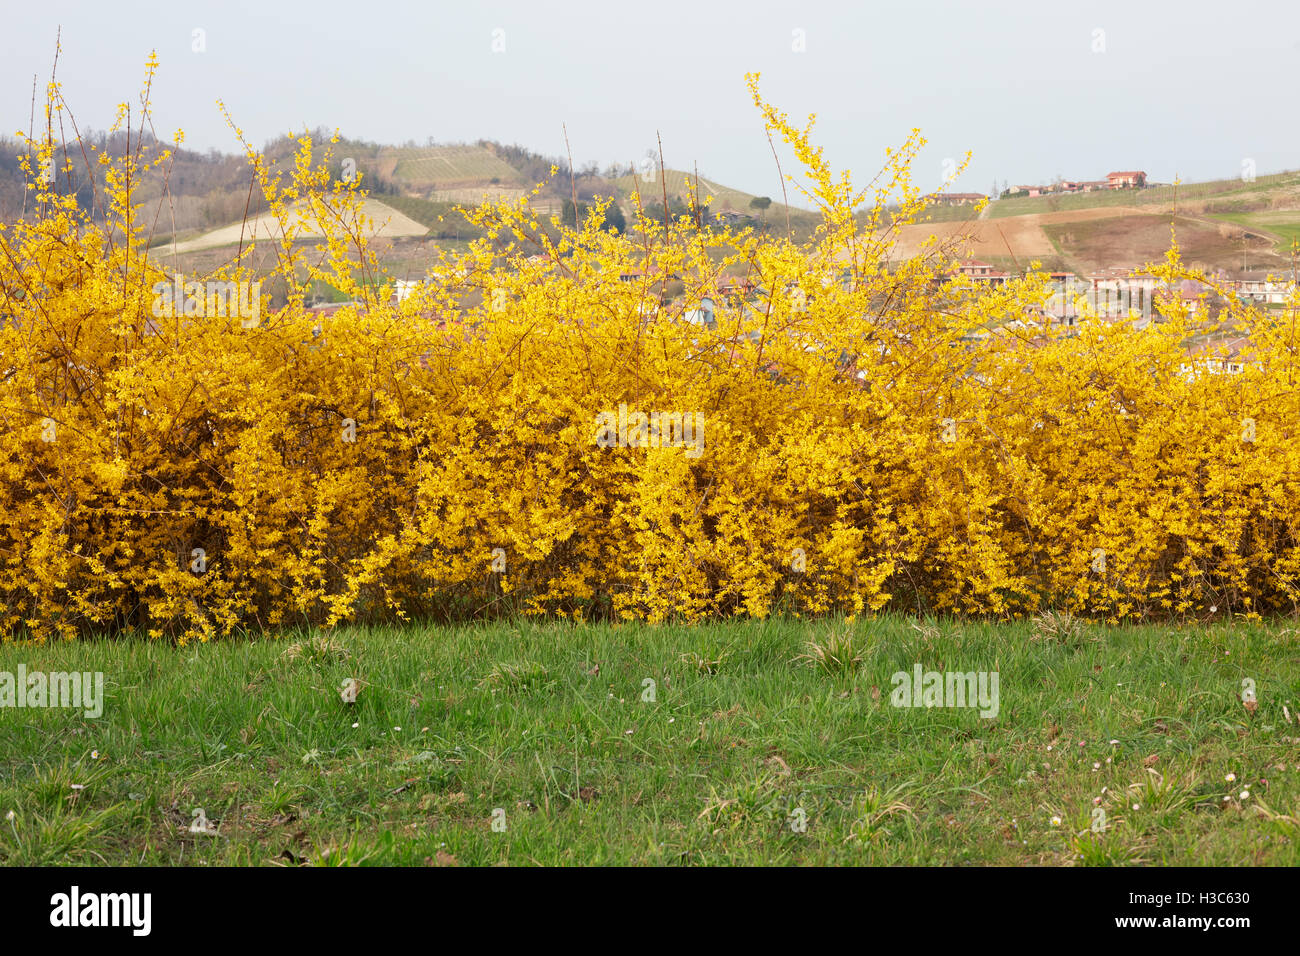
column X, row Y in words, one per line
column 1021, row 237
column 1136, row 239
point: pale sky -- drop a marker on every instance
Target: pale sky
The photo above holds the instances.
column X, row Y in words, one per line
column 1035, row 90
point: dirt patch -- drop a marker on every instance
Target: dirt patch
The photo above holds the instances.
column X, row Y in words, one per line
column 1020, row 237
column 1136, row 239
column 384, row 221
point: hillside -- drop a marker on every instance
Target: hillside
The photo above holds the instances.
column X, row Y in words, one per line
column 449, row 167
column 1226, row 195
column 724, row 198
column 1227, row 225
column 1230, row 225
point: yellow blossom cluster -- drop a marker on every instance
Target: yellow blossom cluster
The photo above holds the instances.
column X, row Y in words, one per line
column 567, row 421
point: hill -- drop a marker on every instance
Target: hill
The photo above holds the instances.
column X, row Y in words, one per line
column 1226, row 225
column 449, row 166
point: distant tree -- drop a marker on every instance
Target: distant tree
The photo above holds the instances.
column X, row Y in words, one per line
column 614, row 219
column 761, row 203
column 567, row 215
column 677, row 208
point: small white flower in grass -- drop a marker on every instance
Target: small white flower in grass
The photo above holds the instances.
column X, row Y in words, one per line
column 1096, row 801
column 94, row 755
column 1245, row 794
column 672, row 720
column 1096, row 767
column 356, row 725
column 1049, row 746
column 1230, row 777
column 1137, row 806
column 10, row 815
column 1114, row 743
column 397, row 728
column 627, row 732
column 78, row 786
column 1226, row 799
column 1055, row 821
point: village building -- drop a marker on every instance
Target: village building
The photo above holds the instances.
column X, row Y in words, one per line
column 1131, row 179
column 982, row 272
column 1263, row 288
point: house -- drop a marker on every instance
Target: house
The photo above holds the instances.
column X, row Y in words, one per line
column 974, row 267
column 729, row 217
column 728, row 286
column 1189, row 292
column 703, row 315
column 1131, row 179
column 1220, row 355
column 1261, row 287
column 982, row 272
column 1061, row 304
column 1115, row 292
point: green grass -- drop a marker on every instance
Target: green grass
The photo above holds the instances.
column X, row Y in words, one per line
column 547, row 723
column 1283, row 225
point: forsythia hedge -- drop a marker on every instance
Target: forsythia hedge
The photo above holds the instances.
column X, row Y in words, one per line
column 860, row 433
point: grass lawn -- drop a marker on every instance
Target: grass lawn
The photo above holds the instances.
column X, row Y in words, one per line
column 1284, row 224
column 549, row 724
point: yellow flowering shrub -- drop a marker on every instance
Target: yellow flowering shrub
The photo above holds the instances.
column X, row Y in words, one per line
column 539, row 429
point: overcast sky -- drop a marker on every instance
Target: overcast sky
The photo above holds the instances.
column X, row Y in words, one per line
column 1035, row 90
